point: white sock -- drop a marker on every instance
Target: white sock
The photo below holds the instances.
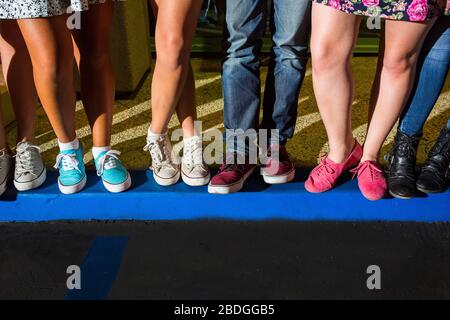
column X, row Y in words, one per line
column 72, row 145
column 151, row 136
column 97, row 150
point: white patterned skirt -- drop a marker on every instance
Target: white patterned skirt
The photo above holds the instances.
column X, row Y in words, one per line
column 23, row 9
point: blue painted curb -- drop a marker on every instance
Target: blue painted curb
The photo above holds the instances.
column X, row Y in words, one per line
column 258, row 201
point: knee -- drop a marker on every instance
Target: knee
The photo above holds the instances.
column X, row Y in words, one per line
column 171, row 51
column 95, row 57
column 55, row 69
column 325, row 55
column 396, row 63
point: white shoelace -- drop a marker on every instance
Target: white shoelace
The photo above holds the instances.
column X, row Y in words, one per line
column 24, row 160
column 160, row 152
column 67, row 161
column 108, row 161
column 193, row 153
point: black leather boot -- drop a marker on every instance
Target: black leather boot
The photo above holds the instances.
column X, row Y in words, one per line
column 401, row 172
column 433, row 176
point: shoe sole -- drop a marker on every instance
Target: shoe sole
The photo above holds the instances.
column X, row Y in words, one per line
column 195, row 182
column 430, row 191
column 232, row 188
column 399, row 196
column 117, row 188
column 36, row 183
column 72, row 189
column 281, row 179
column 167, row 182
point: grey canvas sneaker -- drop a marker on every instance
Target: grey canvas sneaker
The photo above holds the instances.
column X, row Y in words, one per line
column 30, row 172
column 194, row 171
column 5, row 169
column 165, row 163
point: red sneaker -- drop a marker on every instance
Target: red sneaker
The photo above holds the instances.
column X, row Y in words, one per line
column 278, row 168
column 371, row 180
column 325, row 176
column 230, row 178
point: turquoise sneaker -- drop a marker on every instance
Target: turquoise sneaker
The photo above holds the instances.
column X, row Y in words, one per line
column 114, row 175
column 72, row 174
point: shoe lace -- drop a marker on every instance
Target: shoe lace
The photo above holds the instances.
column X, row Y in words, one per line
column 25, row 159
column 231, row 164
column 232, row 167
column 67, row 162
column 108, row 161
column 194, row 153
column 405, row 147
column 374, row 171
column 159, row 151
column 323, row 167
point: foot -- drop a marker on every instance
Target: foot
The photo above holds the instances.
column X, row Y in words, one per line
column 325, row 176
column 434, row 174
column 401, row 171
column 114, row 175
column 5, row 169
column 230, row 178
column 371, row 180
column 194, row 171
column 30, row 171
column 278, row 168
column 72, row 173
column 165, row 164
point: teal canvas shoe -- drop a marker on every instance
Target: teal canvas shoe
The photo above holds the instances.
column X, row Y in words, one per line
column 115, row 176
column 72, row 173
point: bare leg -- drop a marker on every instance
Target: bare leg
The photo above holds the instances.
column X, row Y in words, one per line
column 173, row 83
column 50, row 46
column 403, row 42
column 186, row 107
column 332, row 76
column 18, row 72
column 96, row 72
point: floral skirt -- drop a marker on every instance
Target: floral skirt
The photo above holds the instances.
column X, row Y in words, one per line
column 22, row 9
column 405, row 10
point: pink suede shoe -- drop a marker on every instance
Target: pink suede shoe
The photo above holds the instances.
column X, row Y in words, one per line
column 371, row 180
column 325, row 176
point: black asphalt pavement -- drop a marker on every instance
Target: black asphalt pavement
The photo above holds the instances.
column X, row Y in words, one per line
column 232, row 259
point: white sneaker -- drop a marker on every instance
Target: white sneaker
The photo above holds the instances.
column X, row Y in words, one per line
column 165, row 164
column 193, row 170
column 30, row 172
column 5, row 169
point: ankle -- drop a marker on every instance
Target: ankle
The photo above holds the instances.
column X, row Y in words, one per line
column 339, row 154
column 70, row 145
column 369, row 157
column 96, row 151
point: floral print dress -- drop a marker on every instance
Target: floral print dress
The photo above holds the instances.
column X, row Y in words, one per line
column 22, row 9
column 405, row 10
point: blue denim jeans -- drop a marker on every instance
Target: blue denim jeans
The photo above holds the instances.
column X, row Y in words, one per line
column 246, row 22
column 432, row 71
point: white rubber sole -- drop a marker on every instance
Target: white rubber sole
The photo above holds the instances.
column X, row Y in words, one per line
column 116, row 188
column 167, row 182
column 72, row 189
column 195, row 182
column 36, row 183
column 278, row 179
column 235, row 187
